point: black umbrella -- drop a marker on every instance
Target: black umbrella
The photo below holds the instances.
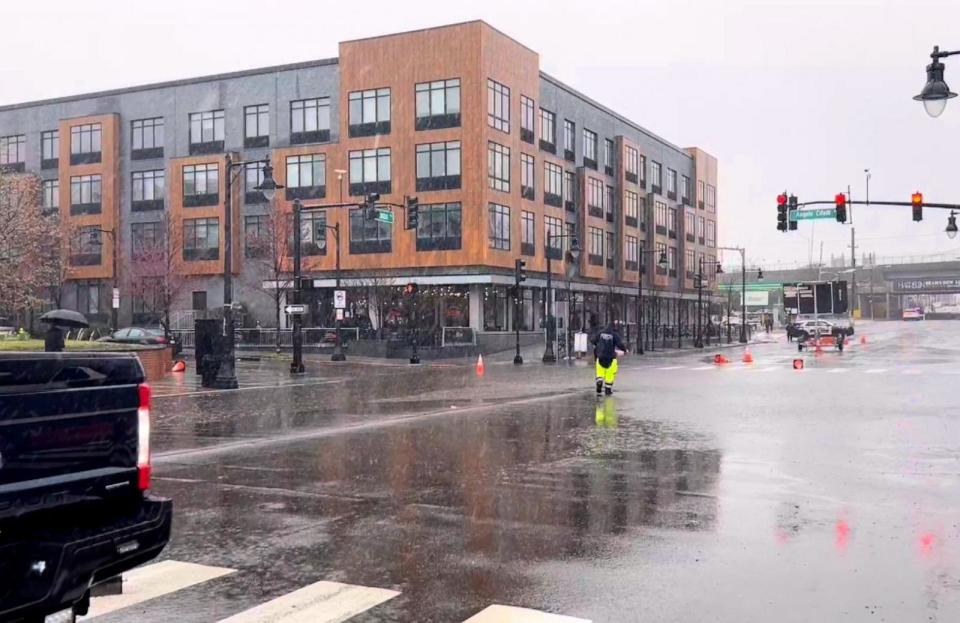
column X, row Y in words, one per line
column 65, row 318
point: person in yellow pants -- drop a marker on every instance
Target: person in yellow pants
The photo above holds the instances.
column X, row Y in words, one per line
column 606, row 346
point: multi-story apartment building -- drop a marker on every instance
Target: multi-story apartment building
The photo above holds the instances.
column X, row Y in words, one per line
column 499, row 154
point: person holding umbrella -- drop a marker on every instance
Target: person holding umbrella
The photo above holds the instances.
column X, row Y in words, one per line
column 60, row 319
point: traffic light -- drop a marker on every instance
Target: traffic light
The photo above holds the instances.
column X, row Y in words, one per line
column 841, row 203
column 782, row 212
column 413, row 212
column 519, row 271
column 370, row 206
column 916, row 199
column 791, row 208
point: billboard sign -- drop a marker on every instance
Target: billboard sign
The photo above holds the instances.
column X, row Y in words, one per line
column 927, row 284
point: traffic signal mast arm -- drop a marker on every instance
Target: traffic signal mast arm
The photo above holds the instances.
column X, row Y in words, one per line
column 943, row 206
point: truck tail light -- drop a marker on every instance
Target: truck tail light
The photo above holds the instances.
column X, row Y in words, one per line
column 143, row 438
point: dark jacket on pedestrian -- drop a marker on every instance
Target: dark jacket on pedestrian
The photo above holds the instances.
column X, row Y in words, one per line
column 606, row 342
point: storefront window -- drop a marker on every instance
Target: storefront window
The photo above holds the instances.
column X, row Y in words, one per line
column 496, row 302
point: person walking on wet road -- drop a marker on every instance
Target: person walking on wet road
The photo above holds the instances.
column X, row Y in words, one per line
column 607, row 345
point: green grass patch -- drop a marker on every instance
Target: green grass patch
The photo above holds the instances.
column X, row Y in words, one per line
column 13, row 344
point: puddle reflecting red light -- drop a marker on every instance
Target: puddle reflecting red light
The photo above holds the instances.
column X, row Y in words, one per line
column 842, row 530
column 926, row 543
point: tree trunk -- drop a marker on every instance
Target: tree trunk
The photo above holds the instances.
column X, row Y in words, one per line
column 277, row 301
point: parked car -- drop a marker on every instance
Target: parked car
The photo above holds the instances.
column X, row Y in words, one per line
column 913, row 313
column 140, row 335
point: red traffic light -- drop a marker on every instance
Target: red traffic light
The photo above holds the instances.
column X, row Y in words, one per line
column 782, row 199
column 840, row 199
column 917, row 198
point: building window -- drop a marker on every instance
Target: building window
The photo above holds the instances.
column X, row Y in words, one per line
column 206, row 132
column 548, row 131
column 672, row 260
column 256, row 236
column 499, row 231
column 146, row 138
column 313, row 233
column 661, row 251
column 609, row 248
column 147, row 190
column 86, row 246
column 439, row 227
column 552, row 185
column 643, row 171
column 144, row 237
column 306, row 176
column 685, row 190
column 310, row 121
column 595, row 254
column 631, row 208
column 49, row 149
column 552, row 237
column 201, row 239
column 256, row 125
column 438, row 166
column 498, row 167
column 51, row 195
column 85, row 194
column 590, row 149
column 569, row 140
column 369, row 112
column 608, row 204
column 701, row 229
column 201, row 185
column 632, row 164
column 672, row 223
column 608, row 156
column 660, row 217
column 526, row 119
column 595, row 197
column 528, row 236
column 252, row 178
column 85, row 143
column 369, row 236
column 88, row 297
column 711, row 234
column 438, row 104
column 711, row 198
column 570, row 190
column 689, row 263
column 656, row 177
column 631, row 253
column 711, row 267
column 370, row 171
column 689, row 225
column 498, row 106
column 527, row 190
column 671, row 184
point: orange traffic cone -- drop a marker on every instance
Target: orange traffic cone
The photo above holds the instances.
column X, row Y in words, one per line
column 747, row 356
column 179, row 366
column 863, row 339
column 480, row 367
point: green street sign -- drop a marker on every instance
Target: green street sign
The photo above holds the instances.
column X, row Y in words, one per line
column 797, row 215
column 384, row 216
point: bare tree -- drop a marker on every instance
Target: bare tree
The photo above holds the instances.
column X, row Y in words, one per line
column 155, row 273
column 270, row 248
column 25, row 238
column 378, row 287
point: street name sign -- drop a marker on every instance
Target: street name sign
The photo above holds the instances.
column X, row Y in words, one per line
column 339, row 299
column 384, row 216
column 295, row 309
column 798, row 215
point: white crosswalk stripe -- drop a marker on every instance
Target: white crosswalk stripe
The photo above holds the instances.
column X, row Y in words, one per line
column 671, row 368
column 875, row 371
column 321, row 602
column 512, row 614
column 838, row 370
column 152, row 581
column 703, row 368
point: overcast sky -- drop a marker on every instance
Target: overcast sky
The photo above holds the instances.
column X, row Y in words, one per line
column 798, row 95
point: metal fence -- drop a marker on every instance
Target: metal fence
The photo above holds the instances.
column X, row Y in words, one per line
column 265, row 338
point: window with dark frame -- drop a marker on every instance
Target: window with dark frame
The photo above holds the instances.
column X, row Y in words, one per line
column 632, row 165
column 595, row 254
column 689, row 263
column 144, row 238
column 527, row 187
column 701, row 229
column 570, row 190
column 86, row 143
column 85, row 194
column 147, row 190
column 146, row 138
column 201, row 185
column 711, row 198
column 631, row 251
column 438, row 104
column 206, row 132
column 660, row 217
column 610, row 248
column 369, row 236
column 590, row 149
column 552, row 237
column 608, row 156
column 528, row 235
column 661, row 251
column 685, row 190
column 671, row 184
column 86, row 247
column 253, row 177
column 672, row 223
column 498, row 106
column 498, row 166
column 672, row 260
column 51, row 195
column 552, row 184
column 689, row 226
column 439, row 227
column 656, row 179
column 595, row 197
column 313, row 233
column 548, row 131
column 310, row 121
column 438, row 166
column 608, row 204
column 256, row 125
column 370, row 171
column 527, row 114
column 642, row 213
column 306, row 176
column 368, row 112
column 201, row 239
column 499, row 226
column 701, row 194
column 256, row 236
column 50, row 149
column 569, row 140
column 711, row 233
column 643, row 171
column 631, row 208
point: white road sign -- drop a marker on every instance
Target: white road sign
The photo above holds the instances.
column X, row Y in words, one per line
column 295, row 309
column 340, row 299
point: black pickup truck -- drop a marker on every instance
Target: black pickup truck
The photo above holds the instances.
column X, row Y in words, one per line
column 74, row 474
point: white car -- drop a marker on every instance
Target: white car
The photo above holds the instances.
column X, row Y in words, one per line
column 913, row 313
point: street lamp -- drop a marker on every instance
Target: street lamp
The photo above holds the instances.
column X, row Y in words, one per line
column 698, row 343
column 115, row 308
column 952, row 225
column 935, row 92
column 572, row 256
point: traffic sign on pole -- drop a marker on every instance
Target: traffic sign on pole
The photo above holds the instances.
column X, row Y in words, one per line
column 339, row 299
column 798, row 215
column 385, row 216
column 295, row 309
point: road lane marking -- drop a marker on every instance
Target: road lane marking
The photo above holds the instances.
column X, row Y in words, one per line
column 512, row 614
column 910, row 371
column 671, row 368
column 770, row 369
column 875, row 371
column 321, row 602
column 838, row 370
column 703, row 368
column 152, row 581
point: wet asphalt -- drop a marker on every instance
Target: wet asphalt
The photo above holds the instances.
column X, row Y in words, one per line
column 742, row 492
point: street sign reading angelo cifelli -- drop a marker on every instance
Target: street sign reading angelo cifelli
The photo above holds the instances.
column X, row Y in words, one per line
column 385, row 216
column 799, row 215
